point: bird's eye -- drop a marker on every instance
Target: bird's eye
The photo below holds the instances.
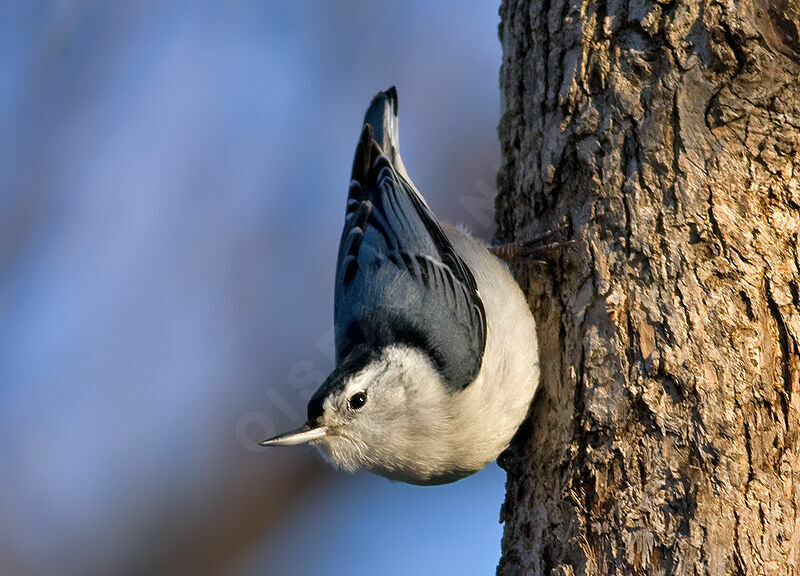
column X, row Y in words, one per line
column 357, row 400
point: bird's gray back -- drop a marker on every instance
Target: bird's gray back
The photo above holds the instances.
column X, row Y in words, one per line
column 399, row 279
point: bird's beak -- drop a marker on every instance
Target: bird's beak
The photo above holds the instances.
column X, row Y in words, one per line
column 299, row 436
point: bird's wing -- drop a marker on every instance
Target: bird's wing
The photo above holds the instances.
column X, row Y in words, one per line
column 398, row 278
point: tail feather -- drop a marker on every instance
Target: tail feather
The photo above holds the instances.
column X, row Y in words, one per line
column 381, row 117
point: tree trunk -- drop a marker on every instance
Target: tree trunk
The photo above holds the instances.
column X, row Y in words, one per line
column 664, row 139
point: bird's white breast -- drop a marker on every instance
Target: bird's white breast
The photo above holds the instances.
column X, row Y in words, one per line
column 494, row 406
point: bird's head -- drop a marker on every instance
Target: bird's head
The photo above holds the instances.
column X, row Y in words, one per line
column 388, row 413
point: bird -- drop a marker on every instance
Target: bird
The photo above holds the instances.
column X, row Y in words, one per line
column 436, row 350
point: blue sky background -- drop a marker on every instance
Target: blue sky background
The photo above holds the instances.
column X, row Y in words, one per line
column 172, row 187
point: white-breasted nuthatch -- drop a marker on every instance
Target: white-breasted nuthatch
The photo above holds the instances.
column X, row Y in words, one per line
column 436, row 350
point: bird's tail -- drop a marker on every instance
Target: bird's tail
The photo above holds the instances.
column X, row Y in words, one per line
column 381, row 117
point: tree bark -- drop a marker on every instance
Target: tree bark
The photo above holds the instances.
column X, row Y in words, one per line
column 664, row 139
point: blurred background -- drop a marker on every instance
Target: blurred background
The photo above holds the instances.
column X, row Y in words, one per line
column 172, row 189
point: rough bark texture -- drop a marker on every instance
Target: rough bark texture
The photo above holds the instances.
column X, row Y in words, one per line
column 664, row 138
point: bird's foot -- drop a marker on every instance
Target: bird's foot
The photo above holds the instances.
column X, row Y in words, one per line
column 525, row 250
